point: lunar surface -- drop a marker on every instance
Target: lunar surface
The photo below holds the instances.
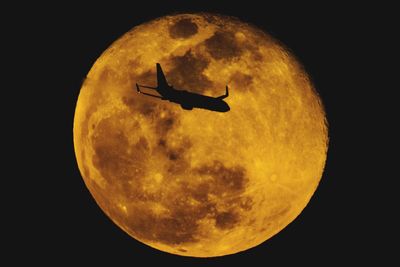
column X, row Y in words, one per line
column 197, row 182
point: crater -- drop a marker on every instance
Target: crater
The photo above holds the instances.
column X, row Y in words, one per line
column 183, row 28
column 162, row 143
column 173, row 155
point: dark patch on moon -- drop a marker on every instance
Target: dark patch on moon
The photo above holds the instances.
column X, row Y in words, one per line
column 256, row 55
column 200, row 193
column 141, row 145
column 228, row 179
column 163, row 120
column 164, row 125
column 180, row 224
column 168, row 230
column 178, row 152
column 145, row 107
column 118, row 161
column 106, row 75
column 183, row 28
column 130, row 102
column 175, row 155
column 241, row 201
column 187, row 73
column 148, row 77
column 141, row 104
column 223, row 45
column 162, row 143
column 226, row 220
column 180, row 227
column 230, row 182
column 110, row 145
column 241, row 81
column 254, row 51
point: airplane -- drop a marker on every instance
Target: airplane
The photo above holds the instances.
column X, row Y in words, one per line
column 186, row 99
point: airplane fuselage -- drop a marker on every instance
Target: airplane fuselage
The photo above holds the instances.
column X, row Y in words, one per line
column 189, row 100
column 186, row 99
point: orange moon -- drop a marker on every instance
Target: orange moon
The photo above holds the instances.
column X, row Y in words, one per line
column 200, row 183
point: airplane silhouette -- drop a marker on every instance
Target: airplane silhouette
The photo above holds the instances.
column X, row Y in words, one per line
column 186, row 99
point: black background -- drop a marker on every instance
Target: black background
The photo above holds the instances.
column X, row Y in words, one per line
column 61, row 223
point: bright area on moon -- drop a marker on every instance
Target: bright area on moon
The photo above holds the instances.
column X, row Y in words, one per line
column 200, row 183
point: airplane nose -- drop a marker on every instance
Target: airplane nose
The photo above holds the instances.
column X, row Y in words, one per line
column 226, row 107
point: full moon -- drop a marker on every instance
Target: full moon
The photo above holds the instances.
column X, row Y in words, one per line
column 197, row 182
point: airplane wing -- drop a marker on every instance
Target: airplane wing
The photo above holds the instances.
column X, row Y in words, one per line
column 144, row 86
column 140, row 92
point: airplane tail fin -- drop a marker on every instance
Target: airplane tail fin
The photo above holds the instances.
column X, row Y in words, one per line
column 226, row 93
column 161, row 80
